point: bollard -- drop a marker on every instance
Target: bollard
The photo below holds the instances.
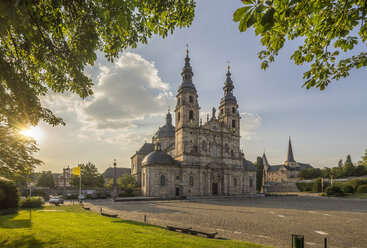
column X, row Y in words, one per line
column 325, row 242
column 100, row 209
column 298, row 241
column 145, row 218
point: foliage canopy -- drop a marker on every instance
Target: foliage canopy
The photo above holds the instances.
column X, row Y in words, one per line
column 90, row 177
column 326, row 28
column 45, row 46
column 46, row 179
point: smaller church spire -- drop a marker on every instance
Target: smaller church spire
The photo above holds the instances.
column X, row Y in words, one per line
column 168, row 118
column 290, row 157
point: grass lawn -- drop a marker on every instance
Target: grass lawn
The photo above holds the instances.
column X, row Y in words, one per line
column 75, row 227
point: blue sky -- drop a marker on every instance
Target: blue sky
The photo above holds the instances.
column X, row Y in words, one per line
column 325, row 126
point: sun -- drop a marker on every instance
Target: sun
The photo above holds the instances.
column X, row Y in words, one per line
column 33, row 132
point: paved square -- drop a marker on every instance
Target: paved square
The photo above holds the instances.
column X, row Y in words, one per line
column 268, row 220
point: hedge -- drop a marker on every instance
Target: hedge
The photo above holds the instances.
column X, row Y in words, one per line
column 31, row 202
column 347, row 188
column 40, row 193
column 304, row 186
column 357, row 182
column 362, row 189
column 333, row 191
column 9, row 194
column 316, row 187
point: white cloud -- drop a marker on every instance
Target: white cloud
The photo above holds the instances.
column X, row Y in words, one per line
column 127, row 91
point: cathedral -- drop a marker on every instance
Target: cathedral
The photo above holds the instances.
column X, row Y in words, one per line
column 194, row 158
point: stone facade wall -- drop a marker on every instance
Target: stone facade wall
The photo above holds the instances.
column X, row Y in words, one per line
column 196, row 181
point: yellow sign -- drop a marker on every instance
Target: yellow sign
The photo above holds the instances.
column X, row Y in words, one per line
column 76, row 171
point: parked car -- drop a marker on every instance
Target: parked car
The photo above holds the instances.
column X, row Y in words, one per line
column 55, row 200
column 81, row 197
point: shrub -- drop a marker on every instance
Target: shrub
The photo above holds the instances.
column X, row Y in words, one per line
column 333, row 191
column 347, row 188
column 31, row 202
column 356, row 182
column 304, row 186
column 316, row 187
column 9, row 194
column 362, row 189
column 39, row 193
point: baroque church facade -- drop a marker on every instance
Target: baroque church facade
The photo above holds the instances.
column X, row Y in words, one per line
column 194, row 158
column 283, row 172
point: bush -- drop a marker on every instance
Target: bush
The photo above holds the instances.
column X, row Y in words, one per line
column 347, row 188
column 9, row 194
column 316, row 187
column 303, row 187
column 357, row 182
column 39, row 193
column 333, row 191
column 362, row 189
column 31, row 202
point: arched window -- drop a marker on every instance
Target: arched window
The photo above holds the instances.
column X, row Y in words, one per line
column 233, row 110
column 232, row 153
column 195, row 149
column 226, row 148
column 251, row 183
column 191, row 115
column 191, row 99
column 163, row 180
column 235, row 182
column 203, row 146
column 191, row 181
column 178, row 116
column 143, row 179
column 233, row 123
column 221, row 111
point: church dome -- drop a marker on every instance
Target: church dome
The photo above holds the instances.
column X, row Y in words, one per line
column 167, row 130
column 158, row 157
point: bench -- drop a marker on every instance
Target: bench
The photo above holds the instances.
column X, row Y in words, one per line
column 109, row 215
column 192, row 232
column 176, row 229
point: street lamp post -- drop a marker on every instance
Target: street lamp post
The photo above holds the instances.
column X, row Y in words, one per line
column 114, row 179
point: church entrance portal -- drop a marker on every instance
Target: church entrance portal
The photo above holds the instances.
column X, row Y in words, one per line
column 215, row 188
column 177, row 191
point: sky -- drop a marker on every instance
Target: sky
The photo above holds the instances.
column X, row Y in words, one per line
column 132, row 95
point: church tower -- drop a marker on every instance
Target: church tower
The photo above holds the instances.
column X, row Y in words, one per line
column 290, row 159
column 187, row 108
column 228, row 109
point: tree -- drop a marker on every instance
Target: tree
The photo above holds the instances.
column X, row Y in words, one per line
column 325, row 28
column 349, row 168
column 259, row 173
column 16, row 152
column 326, row 172
column 45, row 46
column 127, row 181
column 337, row 172
column 310, row 173
column 340, row 163
column 46, row 179
column 90, row 177
column 364, row 159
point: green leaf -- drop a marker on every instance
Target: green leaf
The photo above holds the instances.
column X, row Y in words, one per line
column 268, row 17
column 239, row 13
